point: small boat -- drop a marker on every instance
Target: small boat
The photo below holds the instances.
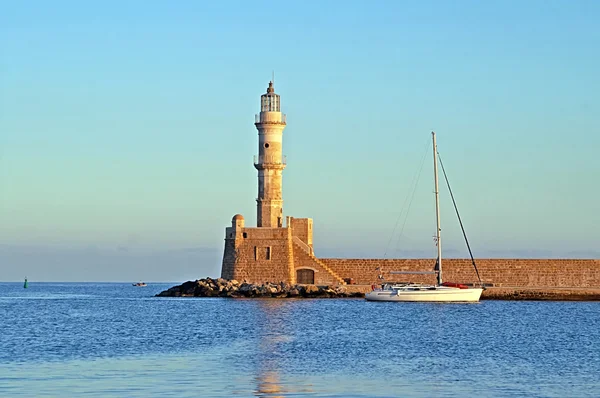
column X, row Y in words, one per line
column 139, row 284
column 441, row 291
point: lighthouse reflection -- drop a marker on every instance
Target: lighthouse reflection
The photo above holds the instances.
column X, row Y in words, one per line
column 268, row 385
column 275, row 336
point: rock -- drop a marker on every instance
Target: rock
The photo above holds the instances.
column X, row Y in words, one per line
column 220, row 287
column 309, row 290
column 168, row 293
column 245, row 287
column 280, row 294
column 263, row 290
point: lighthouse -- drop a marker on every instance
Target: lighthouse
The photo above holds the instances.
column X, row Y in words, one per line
column 270, row 251
column 270, row 162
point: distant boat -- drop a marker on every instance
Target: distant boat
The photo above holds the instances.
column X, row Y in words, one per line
column 25, row 284
column 139, row 284
column 441, row 291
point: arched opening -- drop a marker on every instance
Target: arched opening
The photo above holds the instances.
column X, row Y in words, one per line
column 305, row 276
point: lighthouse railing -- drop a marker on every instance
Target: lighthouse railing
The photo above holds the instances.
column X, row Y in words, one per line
column 268, row 119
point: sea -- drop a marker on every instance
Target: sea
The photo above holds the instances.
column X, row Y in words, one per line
column 117, row 340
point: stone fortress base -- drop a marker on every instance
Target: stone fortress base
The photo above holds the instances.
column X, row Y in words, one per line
column 286, row 255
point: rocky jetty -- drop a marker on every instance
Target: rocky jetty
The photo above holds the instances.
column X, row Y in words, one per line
column 231, row 288
column 542, row 294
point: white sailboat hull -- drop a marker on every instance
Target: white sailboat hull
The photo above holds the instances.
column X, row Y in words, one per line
column 438, row 294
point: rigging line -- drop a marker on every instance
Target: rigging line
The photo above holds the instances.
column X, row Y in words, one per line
column 402, row 208
column 413, row 194
column 459, row 219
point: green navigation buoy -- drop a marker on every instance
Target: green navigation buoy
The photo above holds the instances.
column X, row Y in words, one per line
column 25, row 285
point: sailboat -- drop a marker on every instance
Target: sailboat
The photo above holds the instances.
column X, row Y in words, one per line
column 441, row 291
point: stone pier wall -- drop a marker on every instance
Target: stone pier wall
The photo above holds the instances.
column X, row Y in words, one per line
column 498, row 272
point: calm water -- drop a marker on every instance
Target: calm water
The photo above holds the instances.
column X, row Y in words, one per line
column 116, row 340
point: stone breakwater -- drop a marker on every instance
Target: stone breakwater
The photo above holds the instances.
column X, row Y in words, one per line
column 545, row 294
column 231, row 288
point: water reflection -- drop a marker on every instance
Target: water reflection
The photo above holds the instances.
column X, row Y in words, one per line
column 274, row 331
column 268, row 385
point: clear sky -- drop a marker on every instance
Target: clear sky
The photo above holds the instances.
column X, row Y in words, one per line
column 127, row 136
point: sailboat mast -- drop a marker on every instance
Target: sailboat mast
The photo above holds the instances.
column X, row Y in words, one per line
column 437, row 211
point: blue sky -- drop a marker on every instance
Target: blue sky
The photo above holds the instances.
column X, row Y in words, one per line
column 126, row 129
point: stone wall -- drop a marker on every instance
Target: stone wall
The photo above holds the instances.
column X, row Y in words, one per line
column 304, row 260
column 228, row 264
column 258, row 255
column 302, row 228
column 499, row 272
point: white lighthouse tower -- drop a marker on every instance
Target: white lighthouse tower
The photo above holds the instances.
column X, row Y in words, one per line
column 269, row 162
